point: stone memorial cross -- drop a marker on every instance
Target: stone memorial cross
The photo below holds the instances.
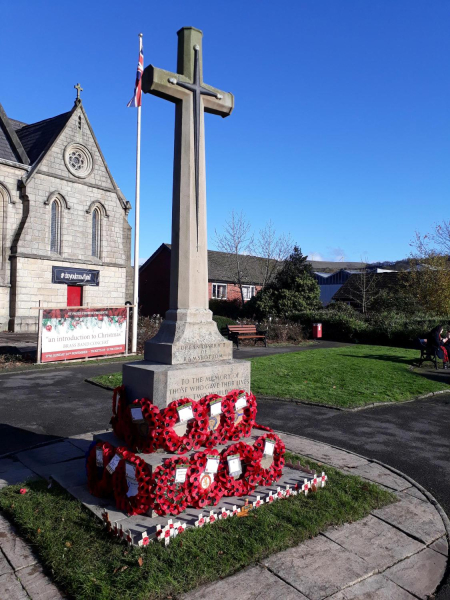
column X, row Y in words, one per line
column 188, row 357
column 188, row 321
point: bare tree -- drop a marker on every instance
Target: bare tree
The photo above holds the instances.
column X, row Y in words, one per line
column 362, row 288
column 440, row 236
column 237, row 241
column 274, row 249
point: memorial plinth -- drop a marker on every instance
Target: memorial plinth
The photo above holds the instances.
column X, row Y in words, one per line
column 164, row 383
column 188, row 353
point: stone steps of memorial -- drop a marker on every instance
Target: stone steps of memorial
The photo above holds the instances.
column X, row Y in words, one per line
column 74, row 481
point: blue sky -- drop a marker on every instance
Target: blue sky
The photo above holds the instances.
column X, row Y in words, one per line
column 341, row 131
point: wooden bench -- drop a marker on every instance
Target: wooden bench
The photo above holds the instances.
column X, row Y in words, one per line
column 245, row 332
column 426, row 353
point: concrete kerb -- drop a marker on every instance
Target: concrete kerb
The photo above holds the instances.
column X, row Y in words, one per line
column 413, row 482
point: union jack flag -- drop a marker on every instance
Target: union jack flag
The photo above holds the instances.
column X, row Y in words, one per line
column 137, row 97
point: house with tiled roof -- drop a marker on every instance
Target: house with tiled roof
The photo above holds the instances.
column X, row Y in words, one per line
column 61, row 212
column 154, row 277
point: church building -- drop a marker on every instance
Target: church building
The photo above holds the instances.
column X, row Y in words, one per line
column 64, row 234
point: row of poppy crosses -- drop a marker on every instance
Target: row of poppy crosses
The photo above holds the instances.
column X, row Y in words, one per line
column 184, row 424
column 197, row 480
column 172, row 530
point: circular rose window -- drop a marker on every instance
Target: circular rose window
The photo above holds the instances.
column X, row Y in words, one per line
column 78, row 160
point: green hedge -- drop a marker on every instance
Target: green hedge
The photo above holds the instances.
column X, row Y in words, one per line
column 223, row 321
column 390, row 328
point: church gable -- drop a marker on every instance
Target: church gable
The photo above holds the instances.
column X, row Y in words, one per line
column 76, row 155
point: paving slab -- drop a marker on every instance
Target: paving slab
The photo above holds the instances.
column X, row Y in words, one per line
column 69, row 474
column 319, row 567
column 373, row 540
column 376, row 587
column 96, row 505
column 378, row 474
column 37, row 585
column 10, row 588
column 440, row 545
column 84, row 440
column 249, row 584
column 16, row 474
column 419, row 574
column 321, row 452
column 17, row 552
column 414, row 517
column 6, row 464
column 5, row 567
column 413, row 491
column 50, row 454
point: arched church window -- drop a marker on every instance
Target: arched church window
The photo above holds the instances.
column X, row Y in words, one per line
column 96, row 231
column 4, row 199
column 55, row 227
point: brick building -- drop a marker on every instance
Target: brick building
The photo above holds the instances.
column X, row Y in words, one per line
column 64, row 232
column 154, row 279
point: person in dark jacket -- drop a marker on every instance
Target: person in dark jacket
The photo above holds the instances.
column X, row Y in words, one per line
column 436, row 342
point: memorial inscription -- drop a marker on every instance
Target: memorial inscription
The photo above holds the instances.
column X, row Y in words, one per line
column 196, row 387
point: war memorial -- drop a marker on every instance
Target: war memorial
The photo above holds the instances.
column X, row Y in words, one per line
column 185, row 441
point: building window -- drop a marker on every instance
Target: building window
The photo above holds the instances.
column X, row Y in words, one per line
column 219, row 291
column 96, row 231
column 55, row 227
column 248, row 291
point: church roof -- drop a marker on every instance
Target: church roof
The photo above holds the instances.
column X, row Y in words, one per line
column 38, row 136
column 6, row 149
column 16, row 124
column 10, row 146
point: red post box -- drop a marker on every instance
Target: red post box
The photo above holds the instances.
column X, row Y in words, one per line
column 317, row 330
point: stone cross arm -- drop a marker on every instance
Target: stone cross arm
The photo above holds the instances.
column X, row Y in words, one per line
column 167, row 85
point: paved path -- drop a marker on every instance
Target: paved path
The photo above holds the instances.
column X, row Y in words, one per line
column 412, row 437
column 398, row 552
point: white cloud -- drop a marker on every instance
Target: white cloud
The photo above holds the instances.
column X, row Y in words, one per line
column 315, row 256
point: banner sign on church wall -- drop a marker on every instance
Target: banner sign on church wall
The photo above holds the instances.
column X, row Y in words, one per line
column 71, row 276
column 71, row 333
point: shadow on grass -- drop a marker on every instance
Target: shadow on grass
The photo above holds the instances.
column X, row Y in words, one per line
column 384, row 357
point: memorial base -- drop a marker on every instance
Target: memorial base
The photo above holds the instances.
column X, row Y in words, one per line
column 163, row 383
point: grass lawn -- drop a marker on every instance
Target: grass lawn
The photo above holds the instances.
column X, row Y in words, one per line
column 347, row 377
column 112, row 380
column 88, row 564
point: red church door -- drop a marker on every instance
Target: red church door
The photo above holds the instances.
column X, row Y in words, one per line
column 74, row 295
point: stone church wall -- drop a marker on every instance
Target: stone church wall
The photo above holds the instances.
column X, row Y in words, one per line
column 26, row 267
column 35, row 285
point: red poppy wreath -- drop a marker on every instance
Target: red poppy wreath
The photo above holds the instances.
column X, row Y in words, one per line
column 234, row 475
column 120, row 416
column 99, row 480
column 144, row 426
column 268, row 459
column 180, row 436
column 244, row 408
column 220, row 417
column 204, row 485
column 132, row 483
column 170, row 484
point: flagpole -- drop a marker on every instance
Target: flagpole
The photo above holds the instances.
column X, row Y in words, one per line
column 136, row 225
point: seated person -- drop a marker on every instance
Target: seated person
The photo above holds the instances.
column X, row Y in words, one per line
column 436, row 342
